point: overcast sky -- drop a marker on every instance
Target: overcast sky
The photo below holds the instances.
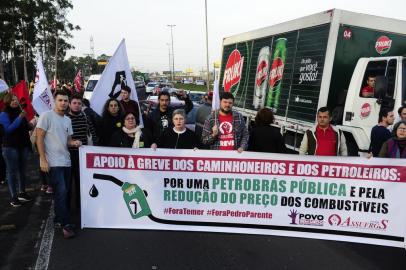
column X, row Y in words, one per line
column 143, row 23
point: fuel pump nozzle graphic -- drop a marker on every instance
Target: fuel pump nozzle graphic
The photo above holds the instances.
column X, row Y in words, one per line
column 133, row 196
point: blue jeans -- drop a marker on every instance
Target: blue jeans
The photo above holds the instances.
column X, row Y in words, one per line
column 59, row 180
column 16, row 159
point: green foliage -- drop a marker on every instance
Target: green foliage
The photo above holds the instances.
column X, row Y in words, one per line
column 33, row 25
column 191, row 87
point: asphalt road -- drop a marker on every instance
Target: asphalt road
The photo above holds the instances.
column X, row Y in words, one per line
column 26, row 242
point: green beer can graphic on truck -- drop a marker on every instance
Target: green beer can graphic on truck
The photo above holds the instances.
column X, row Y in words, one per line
column 276, row 74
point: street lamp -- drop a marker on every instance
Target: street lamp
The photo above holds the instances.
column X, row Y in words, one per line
column 207, row 49
column 169, row 55
column 173, row 55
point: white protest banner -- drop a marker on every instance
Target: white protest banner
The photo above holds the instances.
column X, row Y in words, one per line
column 42, row 99
column 116, row 73
column 3, row 86
column 336, row 198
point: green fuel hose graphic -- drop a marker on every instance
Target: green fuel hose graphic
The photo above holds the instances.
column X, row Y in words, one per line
column 134, row 197
column 136, row 201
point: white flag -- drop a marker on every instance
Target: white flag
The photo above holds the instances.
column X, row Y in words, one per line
column 3, row 86
column 42, row 99
column 115, row 73
column 215, row 104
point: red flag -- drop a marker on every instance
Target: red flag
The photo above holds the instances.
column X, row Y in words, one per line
column 21, row 91
column 78, row 82
column 54, row 83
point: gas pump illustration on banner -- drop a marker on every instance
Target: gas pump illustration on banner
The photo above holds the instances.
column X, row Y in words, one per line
column 134, row 197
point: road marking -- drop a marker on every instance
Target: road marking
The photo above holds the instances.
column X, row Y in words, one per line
column 46, row 243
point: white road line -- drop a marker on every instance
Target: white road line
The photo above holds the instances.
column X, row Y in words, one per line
column 46, row 243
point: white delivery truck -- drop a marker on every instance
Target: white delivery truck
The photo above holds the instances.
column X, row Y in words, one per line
column 320, row 60
column 91, row 84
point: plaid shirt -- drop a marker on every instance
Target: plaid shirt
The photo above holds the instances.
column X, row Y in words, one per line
column 240, row 131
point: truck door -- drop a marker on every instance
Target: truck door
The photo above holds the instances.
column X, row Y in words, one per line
column 404, row 82
column 364, row 112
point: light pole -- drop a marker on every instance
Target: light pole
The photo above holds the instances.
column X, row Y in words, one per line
column 169, row 55
column 173, row 55
column 207, row 50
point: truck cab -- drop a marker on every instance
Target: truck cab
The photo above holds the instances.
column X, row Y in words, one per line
column 361, row 111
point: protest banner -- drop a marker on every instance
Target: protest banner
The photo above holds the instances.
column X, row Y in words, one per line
column 335, row 198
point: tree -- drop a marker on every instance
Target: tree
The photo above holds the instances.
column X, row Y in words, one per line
column 28, row 25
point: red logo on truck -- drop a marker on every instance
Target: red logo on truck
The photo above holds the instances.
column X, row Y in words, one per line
column 233, row 70
column 261, row 72
column 276, row 73
column 383, row 44
column 365, row 110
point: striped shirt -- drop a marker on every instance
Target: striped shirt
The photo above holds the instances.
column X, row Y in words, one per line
column 81, row 128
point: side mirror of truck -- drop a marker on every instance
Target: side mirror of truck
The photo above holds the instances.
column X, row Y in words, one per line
column 381, row 86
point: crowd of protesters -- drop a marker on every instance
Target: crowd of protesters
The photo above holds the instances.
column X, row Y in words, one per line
column 59, row 133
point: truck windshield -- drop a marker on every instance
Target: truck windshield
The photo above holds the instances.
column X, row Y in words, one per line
column 90, row 85
column 404, row 82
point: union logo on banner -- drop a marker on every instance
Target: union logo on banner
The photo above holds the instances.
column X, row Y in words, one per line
column 233, row 70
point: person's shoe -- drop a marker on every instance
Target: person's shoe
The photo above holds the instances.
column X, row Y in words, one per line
column 68, row 232
column 24, row 197
column 49, row 190
column 15, row 202
column 57, row 225
column 44, row 187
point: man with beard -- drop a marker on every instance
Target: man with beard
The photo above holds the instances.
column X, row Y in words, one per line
column 159, row 120
column 225, row 129
column 82, row 127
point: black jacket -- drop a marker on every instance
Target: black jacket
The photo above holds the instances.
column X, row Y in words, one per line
column 266, row 139
column 173, row 140
column 155, row 118
column 108, row 124
column 121, row 139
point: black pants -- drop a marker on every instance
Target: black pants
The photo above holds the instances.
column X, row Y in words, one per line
column 2, row 166
column 74, row 190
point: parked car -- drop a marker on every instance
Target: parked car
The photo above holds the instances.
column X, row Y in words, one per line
column 187, row 81
column 91, row 84
column 151, row 86
column 200, row 82
column 196, row 97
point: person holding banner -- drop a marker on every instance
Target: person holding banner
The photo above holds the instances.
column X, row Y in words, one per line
column 160, row 118
column 16, row 146
column 225, row 129
column 395, row 147
column 54, row 131
column 178, row 137
column 131, row 134
column 263, row 136
column 82, row 128
column 110, row 121
column 380, row 133
column 324, row 139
